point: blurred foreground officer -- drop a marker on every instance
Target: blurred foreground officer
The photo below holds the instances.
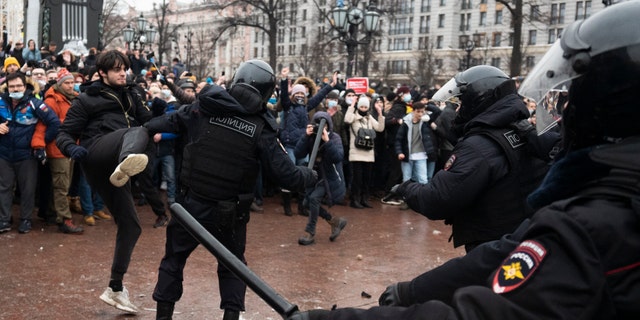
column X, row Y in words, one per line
column 483, row 187
column 228, row 135
column 579, row 257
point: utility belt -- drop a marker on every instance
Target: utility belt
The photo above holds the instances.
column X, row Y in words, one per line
column 226, row 213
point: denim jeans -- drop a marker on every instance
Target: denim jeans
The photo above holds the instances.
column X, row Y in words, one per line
column 312, row 201
column 415, row 170
column 89, row 200
column 292, row 156
column 431, row 169
column 168, row 167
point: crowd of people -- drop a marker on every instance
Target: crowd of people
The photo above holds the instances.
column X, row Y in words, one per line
column 93, row 133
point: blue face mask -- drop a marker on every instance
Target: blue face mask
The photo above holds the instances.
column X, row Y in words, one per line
column 273, row 100
column 76, row 87
column 406, row 97
column 331, row 103
column 16, row 95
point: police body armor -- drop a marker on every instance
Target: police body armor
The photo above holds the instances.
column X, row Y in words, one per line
column 221, row 164
column 503, row 207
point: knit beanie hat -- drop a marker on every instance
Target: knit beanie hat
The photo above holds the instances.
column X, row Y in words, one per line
column 63, row 75
column 403, row 89
column 363, row 101
column 298, row 88
column 9, row 61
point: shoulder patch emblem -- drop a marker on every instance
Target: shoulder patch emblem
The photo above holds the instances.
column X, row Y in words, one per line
column 236, row 124
column 449, row 163
column 514, row 139
column 519, row 266
column 44, row 108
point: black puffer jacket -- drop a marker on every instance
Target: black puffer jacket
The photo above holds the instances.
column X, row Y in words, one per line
column 99, row 110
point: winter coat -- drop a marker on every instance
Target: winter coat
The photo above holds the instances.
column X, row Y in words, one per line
column 296, row 116
column 60, row 104
column 354, row 122
column 99, row 110
column 328, row 162
column 403, row 138
column 17, row 144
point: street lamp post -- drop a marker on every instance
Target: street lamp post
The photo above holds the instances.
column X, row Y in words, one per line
column 141, row 35
column 188, row 47
column 469, row 46
column 346, row 21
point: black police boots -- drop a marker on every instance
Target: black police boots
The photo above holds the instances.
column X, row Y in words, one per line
column 286, row 203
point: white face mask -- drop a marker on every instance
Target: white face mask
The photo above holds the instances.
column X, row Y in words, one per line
column 349, row 100
column 331, row 103
column 16, row 95
column 406, row 97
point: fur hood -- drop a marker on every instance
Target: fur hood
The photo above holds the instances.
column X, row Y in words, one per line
column 307, row 82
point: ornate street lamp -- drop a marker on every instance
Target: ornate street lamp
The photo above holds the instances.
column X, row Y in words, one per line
column 346, row 22
column 142, row 35
column 469, row 46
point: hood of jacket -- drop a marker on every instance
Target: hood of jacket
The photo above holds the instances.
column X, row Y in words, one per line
column 323, row 115
column 307, row 82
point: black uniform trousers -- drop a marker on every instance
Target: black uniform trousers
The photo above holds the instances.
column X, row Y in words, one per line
column 104, row 156
column 180, row 244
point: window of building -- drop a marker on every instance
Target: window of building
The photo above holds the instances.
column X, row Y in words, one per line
column 554, row 34
column 292, row 50
column 441, row 21
column 534, row 13
column 304, row 15
column 530, row 61
column 462, row 41
column 510, row 39
column 532, row 37
column 405, row 7
column 483, row 18
column 399, row 66
column 465, row 22
column 583, row 9
column 423, row 43
column 439, row 63
column 562, row 12
column 425, row 6
column 497, row 39
column 303, row 49
column 498, row 17
column 424, row 24
column 303, row 32
column 292, row 34
column 280, row 35
column 495, row 62
column 557, row 14
column 439, row 42
column 466, row 4
column 443, row 3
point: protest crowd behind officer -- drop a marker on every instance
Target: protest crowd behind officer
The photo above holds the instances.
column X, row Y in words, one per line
column 113, row 146
column 578, row 257
column 482, row 189
column 229, row 135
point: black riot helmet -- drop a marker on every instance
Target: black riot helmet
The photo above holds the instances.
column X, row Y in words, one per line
column 598, row 61
column 477, row 88
column 252, row 84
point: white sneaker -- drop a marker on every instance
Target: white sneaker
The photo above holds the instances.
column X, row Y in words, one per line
column 118, row 299
column 130, row 166
column 163, row 186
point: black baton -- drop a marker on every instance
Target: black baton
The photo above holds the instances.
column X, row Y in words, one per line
column 231, row 262
column 316, row 144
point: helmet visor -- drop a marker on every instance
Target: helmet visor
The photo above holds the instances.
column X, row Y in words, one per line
column 448, row 91
column 547, row 84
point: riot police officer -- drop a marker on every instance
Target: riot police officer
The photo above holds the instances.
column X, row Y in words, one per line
column 577, row 258
column 482, row 190
column 229, row 135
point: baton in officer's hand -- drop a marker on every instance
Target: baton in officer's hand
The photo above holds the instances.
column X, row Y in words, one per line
column 316, row 144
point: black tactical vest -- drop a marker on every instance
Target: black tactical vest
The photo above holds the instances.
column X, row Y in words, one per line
column 221, row 163
column 504, row 205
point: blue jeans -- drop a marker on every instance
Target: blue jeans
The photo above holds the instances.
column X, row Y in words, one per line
column 292, row 156
column 415, row 170
column 168, row 166
column 431, row 169
column 89, row 200
column 312, row 201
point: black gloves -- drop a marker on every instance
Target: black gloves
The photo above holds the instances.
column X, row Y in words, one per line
column 394, row 294
column 40, row 155
column 158, row 107
column 522, row 127
column 310, row 315
column 77, row 153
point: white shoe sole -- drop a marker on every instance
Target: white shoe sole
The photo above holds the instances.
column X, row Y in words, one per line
column 107, row 299
column 130, row 166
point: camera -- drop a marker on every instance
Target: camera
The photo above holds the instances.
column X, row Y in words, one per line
column 315, row 128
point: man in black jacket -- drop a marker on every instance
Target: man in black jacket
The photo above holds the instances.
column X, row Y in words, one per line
column 228, row 136
column 579, row 255
column 106, row 118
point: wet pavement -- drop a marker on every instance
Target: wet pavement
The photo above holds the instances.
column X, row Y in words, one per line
column 49, row 275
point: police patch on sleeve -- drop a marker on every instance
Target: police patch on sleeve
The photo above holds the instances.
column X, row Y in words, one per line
column 519, row 266
column 449, row 163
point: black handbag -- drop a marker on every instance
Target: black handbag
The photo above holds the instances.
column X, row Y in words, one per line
column 364, row 139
